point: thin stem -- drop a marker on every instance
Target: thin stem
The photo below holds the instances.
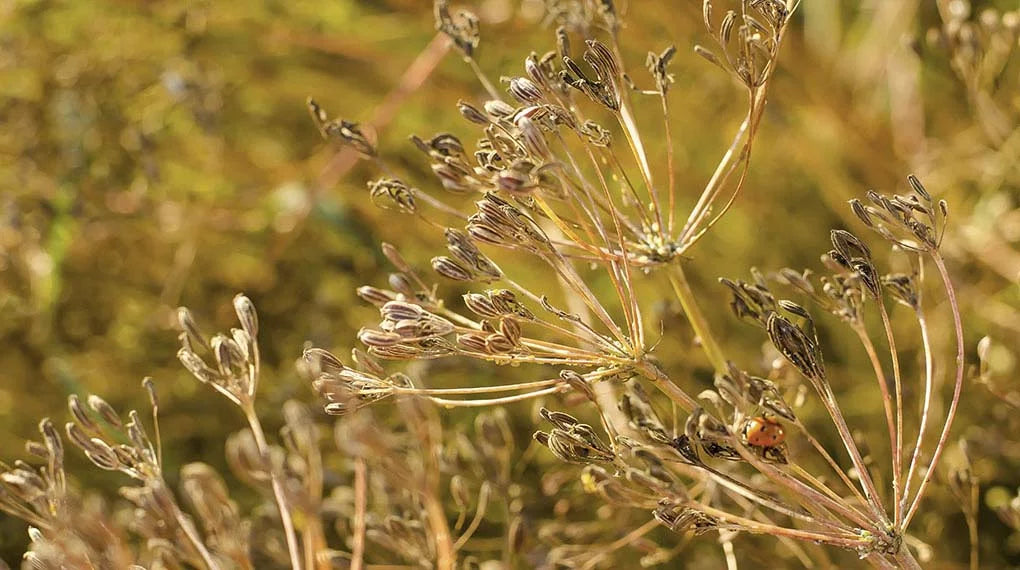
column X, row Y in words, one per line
column 898, row 389
column 832, row 462
column 594, row 336
column 190, row 531
column 972, row 524
column 904, row 559
column 483, row 502
column 665, row 384
column 360, row 502
column 489, row 87
column 714, row 182
column 883, row 385
column 476, row 389
column 929, row 366
column 836, row 413
column 743, row 490
column 623, row 282
column 495, row 401
column 278, row 492
column 951, row 414
column 756, row 527
column 634, row 138
column 731, row 557
column 671, row 203
column 807, row 493
column 698, row 321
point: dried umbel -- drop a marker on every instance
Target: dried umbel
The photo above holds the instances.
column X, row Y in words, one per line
column 533, row 172
column 540, row 172
column 558, row 174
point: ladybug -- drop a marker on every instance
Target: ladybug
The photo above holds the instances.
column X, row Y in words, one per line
column 764, row 432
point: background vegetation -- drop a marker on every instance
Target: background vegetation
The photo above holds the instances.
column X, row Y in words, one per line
column 157, row 154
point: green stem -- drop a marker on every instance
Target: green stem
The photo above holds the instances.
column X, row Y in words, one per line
column 697, row 319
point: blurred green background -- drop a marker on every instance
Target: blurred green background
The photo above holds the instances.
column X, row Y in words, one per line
column 157, row 154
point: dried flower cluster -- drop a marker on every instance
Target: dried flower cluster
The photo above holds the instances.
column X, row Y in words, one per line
column 549, row 180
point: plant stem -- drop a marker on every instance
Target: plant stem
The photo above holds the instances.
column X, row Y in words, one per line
column 278, row 493
column 360, row 491
column 190, row 531
column 926, row 407
column 697, row 319
column 904, row 559
column 951, row 414
column 897, row 451
column 883, row 385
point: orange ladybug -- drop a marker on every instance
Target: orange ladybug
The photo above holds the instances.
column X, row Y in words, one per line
column 764, row 432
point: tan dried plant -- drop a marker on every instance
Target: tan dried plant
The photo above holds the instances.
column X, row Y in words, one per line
column 550, row 180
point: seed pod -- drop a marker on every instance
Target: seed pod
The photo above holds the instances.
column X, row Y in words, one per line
column 498, row 109
column 102, row 455
column 916, row 185
column 190, row 328
column 861, row 211
column 80, row 415
column 450, row 269
column 794, row 308
column 54, row 445
column 481, row 305
column 511, row 330
column 534, row 71
column 246, row 315
column 366, row 363
column 796, row 346
column 393, row 255
column 473, row 342
column 104, row 410
column 578, row 382
column 472, row 113
column 524, row 90
column 77, row 436
column 378, row 339
column 401, row 283
column 198, row 368
column 400, row 310
column 533, row 139
column 375, row 296
column 849, row 245
column 392, row 194
column 498, row 344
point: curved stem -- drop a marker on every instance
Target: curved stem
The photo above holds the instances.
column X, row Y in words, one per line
column 898, row 394
column 836, row 413
column 951, row 414
column 832, row 462
column 489, row 87
column 483, row 502
column 904, row 559
column 278, row 492
column 190, row 531
column 883, row 385
column 476, row 389
column 926, row 407
column 494, row 401
column 756, row 527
